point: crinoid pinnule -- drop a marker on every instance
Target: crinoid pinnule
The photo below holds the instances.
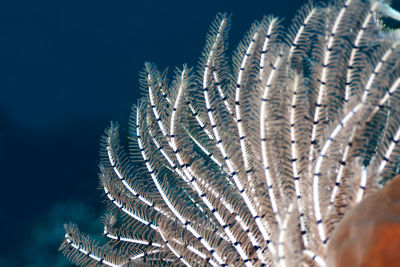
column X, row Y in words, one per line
column 254, row 161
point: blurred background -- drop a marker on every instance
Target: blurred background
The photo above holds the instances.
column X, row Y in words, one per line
column 67, row 68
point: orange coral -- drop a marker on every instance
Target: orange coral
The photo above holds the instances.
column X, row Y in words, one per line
column 369, row 235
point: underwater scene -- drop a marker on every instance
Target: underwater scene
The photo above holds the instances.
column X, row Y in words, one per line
column 221, row 133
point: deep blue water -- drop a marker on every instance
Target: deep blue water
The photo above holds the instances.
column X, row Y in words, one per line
column 67, row 68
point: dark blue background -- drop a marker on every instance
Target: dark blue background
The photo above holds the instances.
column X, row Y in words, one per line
column 67, row 68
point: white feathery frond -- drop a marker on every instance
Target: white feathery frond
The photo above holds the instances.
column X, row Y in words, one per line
column 255, row 160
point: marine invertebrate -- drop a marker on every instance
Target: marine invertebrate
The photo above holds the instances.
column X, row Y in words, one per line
column 254, row 161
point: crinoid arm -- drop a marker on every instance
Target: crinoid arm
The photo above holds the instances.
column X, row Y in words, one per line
column 258, row 159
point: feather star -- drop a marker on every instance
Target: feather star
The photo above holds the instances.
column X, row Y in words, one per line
column 283, row 155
